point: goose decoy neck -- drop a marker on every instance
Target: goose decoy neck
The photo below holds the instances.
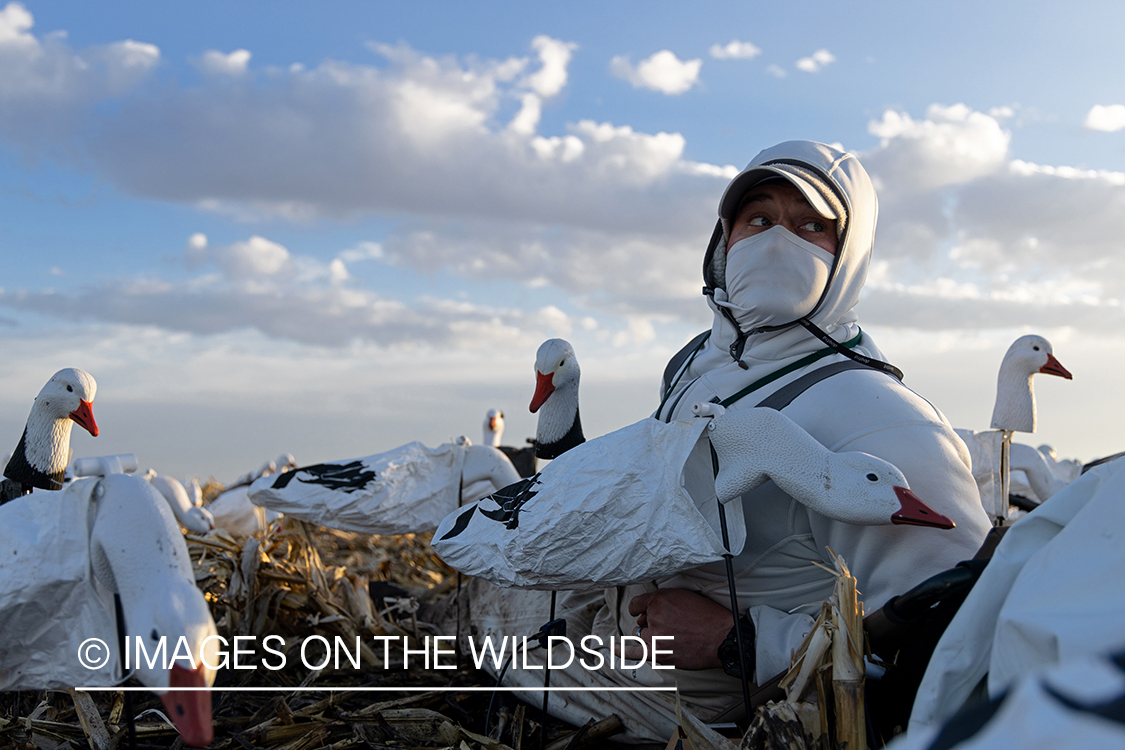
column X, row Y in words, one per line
column 571, row 439
column 20, row 469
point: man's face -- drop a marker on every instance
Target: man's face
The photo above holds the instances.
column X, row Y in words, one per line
column 780, row 203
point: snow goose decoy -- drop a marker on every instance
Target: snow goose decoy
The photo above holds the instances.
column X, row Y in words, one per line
column 754, row 445
column 195, row 519
column 40, row 458
column 493, row 428
column 1014, row 411
column 587, row 520
column 556, row 399
column 1015, row 395
column 67, row 555
column 405, row 490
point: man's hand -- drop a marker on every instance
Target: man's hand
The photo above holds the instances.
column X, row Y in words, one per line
column 698, row 624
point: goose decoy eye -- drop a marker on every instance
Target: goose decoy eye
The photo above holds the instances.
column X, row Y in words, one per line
column 562, row 363
column 872, row 477
column 154, row 635
column 1036, row 348
column 70, row 389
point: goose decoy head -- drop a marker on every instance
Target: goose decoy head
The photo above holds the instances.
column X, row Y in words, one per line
column 69, row 394
column 555, row 367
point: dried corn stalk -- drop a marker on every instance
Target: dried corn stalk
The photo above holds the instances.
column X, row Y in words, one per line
column 828, row 665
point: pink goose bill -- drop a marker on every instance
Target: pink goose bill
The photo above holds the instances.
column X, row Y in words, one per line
column 84, row 416
column 914, row 512
column 190, row 710
column 1054, row 367
column 544, row 387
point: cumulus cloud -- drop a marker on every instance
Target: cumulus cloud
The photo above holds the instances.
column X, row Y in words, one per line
column 951, row 145
column 1107, row 118
column 970, row 238
column 776, row 71
column 44, row 83
column 735, row 50
column 263, row 287
column 663, row 72
column 234, row 63
column 816, row 62
column 419, row 136
column 554, row 56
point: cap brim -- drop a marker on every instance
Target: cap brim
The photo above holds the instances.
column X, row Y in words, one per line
column 751, row 176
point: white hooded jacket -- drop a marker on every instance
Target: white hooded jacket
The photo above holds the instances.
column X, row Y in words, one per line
column 860, row 409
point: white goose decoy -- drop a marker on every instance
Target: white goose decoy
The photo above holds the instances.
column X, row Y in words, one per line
column 493, row 428
column 1015, row 394
column 556, row 395
column 40, row 458
column 589, row 519
column 755, row 445
column 66, row 555
column 1014, row 411
column 233, row 511
column 197, row 520
column 405, row 490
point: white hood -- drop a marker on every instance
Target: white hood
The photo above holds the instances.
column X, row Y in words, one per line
column 768, row 351
column 852, row 186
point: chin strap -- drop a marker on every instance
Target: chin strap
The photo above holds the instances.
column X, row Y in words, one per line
column 863, row 359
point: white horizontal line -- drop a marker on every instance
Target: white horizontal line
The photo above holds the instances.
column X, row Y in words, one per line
column 387, row 689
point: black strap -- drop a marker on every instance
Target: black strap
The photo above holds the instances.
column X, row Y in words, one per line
column 791, row 367
column 863, row 359
column 784, row 396
column 680, row 357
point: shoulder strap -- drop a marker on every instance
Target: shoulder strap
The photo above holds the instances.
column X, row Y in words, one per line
column 678, row 359
column 782, row 397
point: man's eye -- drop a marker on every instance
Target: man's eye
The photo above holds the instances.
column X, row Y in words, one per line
column 813, row 226
column 759, row 221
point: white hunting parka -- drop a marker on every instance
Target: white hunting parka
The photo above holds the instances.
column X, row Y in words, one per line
column 858, row 407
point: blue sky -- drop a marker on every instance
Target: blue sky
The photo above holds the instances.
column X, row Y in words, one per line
column 329, row 229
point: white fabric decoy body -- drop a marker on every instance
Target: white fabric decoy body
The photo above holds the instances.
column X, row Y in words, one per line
column 66, row 555
column 1015, row 394
column 40, row 458
column 556, row 399
column 233, row 511
column 195, row 519
column 591, row 518
column 1052, row 594
column 1034, row 475
column 405, row 490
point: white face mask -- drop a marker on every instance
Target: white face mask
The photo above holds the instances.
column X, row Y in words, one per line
column 774, row 277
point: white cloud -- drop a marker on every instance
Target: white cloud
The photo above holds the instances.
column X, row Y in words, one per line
column 953, row 144
column 363, row 251
column 419, row 136
column 816, row 62
column 735, row 50
column 232, row 64
column 256, row 256
column 527, row 119
column 15, row 22
column 776, row 71
column 44, row 83
column 970, row 238
column 1109, row 118
column 663, row 72
column 554, row 55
